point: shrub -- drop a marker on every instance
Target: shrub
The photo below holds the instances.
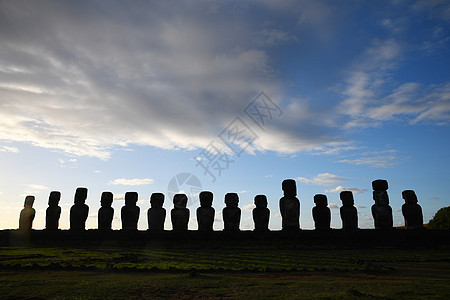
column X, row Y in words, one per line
column 441, row 219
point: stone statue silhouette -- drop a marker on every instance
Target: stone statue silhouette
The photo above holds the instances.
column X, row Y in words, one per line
column 27, row 214
column 106, row 212
column 412, row 212
column 321, row 212
column 261, row 214
column 79, row 211
column 206, row 213
column 53, row 211
column 180, row 214
column 130, row 212
column 231, row 213
column 349, row 214
column 290, row 206
column 381, row 211
column 156, row 214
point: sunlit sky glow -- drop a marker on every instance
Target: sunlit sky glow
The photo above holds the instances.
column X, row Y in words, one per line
column 123, row 96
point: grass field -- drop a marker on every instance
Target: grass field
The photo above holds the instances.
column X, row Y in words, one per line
column 223, row 269
column 315, row 285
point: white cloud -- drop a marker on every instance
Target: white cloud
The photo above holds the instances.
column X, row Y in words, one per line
column 371, row 98
column 91, row 80
column 336, row 150
column 375, row 161
column 123, row 181
column 35, row 187
column 275, row 36
column 340, row 188
column 88, row 94
column 333, row 206
column 322, row 179
column 248, row 207
column 98, row 78
column 119, row 197
column 9, row 149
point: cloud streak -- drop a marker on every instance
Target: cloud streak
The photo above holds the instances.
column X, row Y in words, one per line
column 88, row 79
column 340, row 188
column 132, row 182
column 322, row 179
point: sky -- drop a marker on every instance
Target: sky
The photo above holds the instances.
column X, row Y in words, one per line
column 225, row 96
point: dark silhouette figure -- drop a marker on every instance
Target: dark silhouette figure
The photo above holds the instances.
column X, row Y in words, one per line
column 381, row 211
column 53, row 211
column 180, row 214
column 156, row 214
column 106, row 212
column 130, row 212
column 205, row 213
column 349, row 214
column 231, row 213
column 261, row 214
column 321, row 212
column 412, row 212
column 27, row 214
column 79, row 211
column 290, row 206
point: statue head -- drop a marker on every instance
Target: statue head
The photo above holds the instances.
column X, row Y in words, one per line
column 53, row 199
column 29, row 200
column 289, row 188
column 80, row 195
column 409, row 196
column 180, row 200
column 157, row 200
column 381, row 197
column 206, row 199
column 231, row 200
column 320, row 200
column 131, row 198
column 260, row 201
column 347, row 198
column 380, row 184
column 106, row 199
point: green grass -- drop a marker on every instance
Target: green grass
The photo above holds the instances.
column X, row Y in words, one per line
column 236, row 269
column 234, row 256
column 94, row 285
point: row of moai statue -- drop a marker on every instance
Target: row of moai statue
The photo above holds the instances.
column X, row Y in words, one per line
column 231, row 214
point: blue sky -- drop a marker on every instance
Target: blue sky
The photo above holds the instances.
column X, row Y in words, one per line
column 125, row 97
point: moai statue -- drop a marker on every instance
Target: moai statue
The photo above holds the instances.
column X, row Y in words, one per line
column 261, row 213
column 321, row 212
column 205, row 213
column 412, row 212
column 180, row 214
column 27, row 214
column 106, row 212
column 349, row 215
column 130, row 212
column 53, row 211
column 156, row 214
column 231, row 213
column 79, row 211
column 381, row 211
column 290, row 206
